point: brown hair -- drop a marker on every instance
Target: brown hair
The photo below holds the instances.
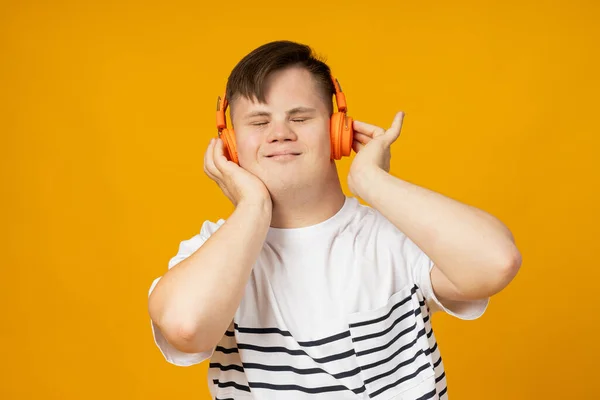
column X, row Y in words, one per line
column 247, row 79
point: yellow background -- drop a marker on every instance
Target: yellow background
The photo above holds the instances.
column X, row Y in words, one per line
column 105, row 112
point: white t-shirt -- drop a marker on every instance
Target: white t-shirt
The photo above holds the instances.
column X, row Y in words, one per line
column 338, row 310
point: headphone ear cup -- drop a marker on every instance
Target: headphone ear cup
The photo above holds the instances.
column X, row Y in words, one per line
column 341, row 134
column 230, row 147
column 334, row 133
column 347, row 135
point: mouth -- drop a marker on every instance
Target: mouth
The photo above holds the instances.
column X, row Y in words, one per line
column 283, row 154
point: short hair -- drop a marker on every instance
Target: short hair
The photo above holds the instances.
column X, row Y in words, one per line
column 248, row 77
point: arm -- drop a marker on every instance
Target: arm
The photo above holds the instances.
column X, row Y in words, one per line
column 195, row 301
column 475, row 255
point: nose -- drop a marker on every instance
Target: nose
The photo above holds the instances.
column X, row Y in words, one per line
column 280, row 132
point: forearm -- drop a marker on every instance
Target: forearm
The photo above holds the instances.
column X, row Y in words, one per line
column 473, row 249
column 195, row 301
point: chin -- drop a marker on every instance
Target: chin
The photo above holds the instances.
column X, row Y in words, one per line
column 284, row 184
column 302, row 173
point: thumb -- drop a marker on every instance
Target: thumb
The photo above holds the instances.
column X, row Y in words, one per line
column 394, row 132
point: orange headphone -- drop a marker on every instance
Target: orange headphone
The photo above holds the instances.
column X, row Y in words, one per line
column 341, row 131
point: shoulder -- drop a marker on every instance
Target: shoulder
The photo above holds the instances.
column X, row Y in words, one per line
column 380, row 236
column 210, row 227
column 370, row 221
column 207, row 229
column 189, row 245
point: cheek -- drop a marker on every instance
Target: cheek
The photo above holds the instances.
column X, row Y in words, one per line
column 321, row 140
column 247, row 146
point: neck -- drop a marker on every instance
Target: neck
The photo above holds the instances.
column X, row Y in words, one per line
column 307, row 206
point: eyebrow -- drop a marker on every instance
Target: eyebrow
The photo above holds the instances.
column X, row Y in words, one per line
column 300, row 110
column 257, row 114
column 293, row 111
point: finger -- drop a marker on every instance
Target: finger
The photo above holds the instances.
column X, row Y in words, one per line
column 396, row 128
column 368, row 129
column 221, row 162
column 362, row 138
column 211, row 175
column 206, row 152
column 357, row 146
column 210, row 163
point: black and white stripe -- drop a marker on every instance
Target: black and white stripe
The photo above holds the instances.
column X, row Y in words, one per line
column 394, row 346
column 384, row 351
column 325, row 365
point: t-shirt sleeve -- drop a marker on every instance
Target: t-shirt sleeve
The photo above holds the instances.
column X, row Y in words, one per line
column 421, row 266
column 186, row 248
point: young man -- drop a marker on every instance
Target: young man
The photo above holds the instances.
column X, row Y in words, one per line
column 304, row 291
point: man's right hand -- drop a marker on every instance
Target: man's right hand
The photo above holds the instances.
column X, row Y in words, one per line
column 235, row 182
column 194, row 305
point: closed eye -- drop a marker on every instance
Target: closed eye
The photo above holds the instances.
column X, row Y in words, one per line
column 259, row 123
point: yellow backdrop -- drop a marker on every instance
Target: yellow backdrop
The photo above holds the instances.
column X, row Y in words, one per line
column 106, row 109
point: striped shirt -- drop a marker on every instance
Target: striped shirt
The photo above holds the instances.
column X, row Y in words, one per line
column 341, row 309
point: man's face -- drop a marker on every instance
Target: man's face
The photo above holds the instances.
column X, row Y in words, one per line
column 285, row 142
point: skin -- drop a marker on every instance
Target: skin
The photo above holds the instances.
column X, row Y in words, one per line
column 304, row 188
column 475, row 254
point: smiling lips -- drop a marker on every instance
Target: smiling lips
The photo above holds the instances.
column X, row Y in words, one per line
column 283, row 153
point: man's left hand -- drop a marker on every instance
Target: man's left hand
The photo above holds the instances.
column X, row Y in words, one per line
column 372, row 147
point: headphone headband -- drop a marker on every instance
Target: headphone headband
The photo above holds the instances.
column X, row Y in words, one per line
column 222, row 104
column 340, row 97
